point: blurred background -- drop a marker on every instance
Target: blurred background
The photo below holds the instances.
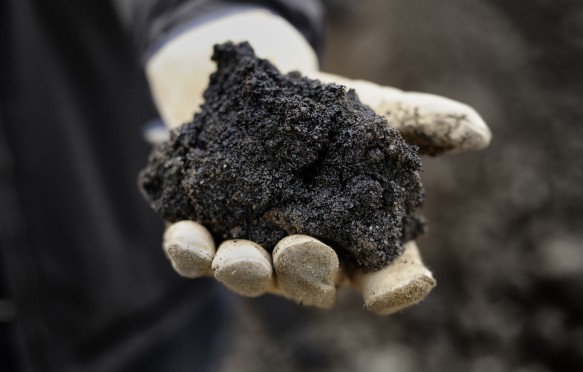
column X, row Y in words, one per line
column 506, row 224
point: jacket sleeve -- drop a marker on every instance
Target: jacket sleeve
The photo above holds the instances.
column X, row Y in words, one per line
column 151, row 22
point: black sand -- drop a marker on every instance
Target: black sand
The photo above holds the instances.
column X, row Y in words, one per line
column 271, row 155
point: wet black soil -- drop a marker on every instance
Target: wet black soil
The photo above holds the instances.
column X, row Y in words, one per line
column 270, row 155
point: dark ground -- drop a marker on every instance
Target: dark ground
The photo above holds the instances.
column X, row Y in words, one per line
column 506, row 237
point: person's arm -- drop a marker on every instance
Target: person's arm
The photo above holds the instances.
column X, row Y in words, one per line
column 151, row 23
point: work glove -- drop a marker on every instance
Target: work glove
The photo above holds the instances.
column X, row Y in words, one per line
column 300, row 267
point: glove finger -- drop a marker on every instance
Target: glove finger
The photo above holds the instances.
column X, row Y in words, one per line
column 306, row 270
column 190, row 248
column 243, row 267
column 403, row 283
column 436, row 124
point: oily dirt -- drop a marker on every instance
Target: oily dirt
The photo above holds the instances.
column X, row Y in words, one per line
column 270, row 155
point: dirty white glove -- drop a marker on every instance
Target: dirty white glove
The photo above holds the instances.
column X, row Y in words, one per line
column 300, row 267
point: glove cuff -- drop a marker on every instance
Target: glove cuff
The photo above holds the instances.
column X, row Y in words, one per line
column 178, row 71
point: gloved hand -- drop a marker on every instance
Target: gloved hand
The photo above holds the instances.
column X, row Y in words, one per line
column 300, row 267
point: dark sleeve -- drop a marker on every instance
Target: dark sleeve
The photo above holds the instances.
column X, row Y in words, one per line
column 151, row 22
